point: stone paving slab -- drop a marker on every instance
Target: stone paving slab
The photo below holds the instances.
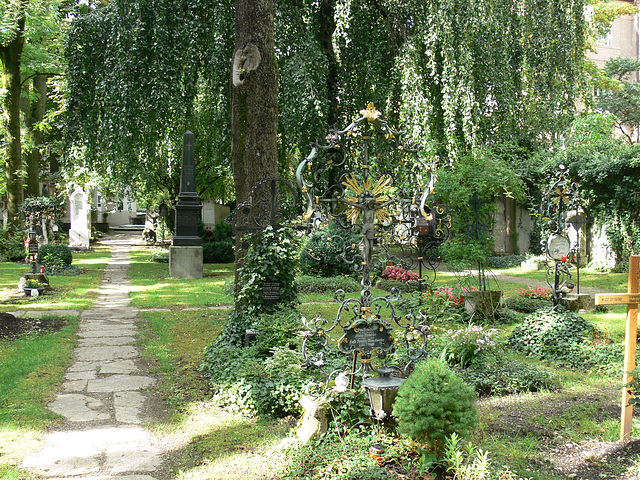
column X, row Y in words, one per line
column 103, row 397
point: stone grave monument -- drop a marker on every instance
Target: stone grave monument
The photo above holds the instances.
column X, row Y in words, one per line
column 185, row 253
column 80, row 230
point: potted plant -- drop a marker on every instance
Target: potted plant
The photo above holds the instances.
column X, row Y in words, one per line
column 33, row 288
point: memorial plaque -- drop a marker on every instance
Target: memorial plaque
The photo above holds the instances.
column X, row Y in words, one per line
column 365, row 338
column 271, row 293
column 33, row 248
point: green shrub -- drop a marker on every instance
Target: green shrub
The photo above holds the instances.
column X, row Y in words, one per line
column 464, row 347
column 11, row 244
column 160, row 256
column 509, row 378
column 308, row 284
column 550, row 334
column 505, row 261
column 50, row 254
column 526, row 304
column 265, row 378
column 330, row 252
column 218, row 252
column 433, row 403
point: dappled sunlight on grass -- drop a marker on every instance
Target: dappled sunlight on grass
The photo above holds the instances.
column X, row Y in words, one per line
column 225, row 445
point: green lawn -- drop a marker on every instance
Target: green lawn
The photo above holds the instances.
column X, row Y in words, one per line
column 154, row 288
column 75, row 292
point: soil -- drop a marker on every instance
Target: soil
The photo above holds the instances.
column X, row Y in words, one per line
column 592, row 459
column 12, row 327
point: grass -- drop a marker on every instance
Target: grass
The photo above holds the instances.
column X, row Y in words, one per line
column 154, row 288
column 212, row 443
column 208, row 441
column 31, row 369
column 68, row 292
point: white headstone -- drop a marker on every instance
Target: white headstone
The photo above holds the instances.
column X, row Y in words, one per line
column 80, row 230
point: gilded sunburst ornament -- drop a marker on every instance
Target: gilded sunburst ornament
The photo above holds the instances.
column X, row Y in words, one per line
column 377, row 193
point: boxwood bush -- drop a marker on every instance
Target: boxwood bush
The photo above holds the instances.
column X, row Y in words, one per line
column 433, row 403
column 50, row 254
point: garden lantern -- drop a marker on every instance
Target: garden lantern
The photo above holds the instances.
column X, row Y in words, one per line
column 382, row 392
column 33, row 246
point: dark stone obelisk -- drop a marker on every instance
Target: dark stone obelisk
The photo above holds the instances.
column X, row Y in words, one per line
column 185, row 254
column 189, row 207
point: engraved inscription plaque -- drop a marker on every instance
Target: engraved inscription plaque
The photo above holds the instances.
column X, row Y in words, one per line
column 271, row 293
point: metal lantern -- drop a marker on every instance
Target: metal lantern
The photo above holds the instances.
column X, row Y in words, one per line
column 33, row 247
column 382, row 392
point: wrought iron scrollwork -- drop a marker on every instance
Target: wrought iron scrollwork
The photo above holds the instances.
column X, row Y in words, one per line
column 272, row 201
column 370, row 179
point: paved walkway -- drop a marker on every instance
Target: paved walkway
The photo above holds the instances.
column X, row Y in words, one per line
column 103, row 397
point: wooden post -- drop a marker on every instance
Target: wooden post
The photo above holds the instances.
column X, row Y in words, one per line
column 631, row 299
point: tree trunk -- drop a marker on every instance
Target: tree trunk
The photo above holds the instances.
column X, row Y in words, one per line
column 254, row 102
column 34, row 114
column 10, row 57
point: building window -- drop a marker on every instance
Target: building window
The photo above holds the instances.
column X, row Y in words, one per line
column 606, row 40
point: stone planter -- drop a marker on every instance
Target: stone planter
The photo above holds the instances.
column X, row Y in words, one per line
column 27, row 291
column 483, row 303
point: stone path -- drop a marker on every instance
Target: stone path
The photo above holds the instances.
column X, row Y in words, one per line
column 103, row 397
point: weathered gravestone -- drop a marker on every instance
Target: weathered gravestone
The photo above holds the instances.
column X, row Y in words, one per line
column 80, row 230
column 185, row 254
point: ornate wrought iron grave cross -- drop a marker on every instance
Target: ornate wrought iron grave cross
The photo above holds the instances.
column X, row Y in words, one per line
column 373, row 182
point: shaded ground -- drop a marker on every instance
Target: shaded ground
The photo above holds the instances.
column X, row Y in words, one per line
column 550, row 419
column 12, row 327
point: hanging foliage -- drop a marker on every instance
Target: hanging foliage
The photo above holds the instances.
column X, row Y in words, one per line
column 487, row 72
column 140, row 75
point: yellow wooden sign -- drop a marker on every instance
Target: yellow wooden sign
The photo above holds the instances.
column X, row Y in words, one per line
column 617, row 298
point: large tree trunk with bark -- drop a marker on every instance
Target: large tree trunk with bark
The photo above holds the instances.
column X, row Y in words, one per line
column 254, row 102
column 10, row 57
column 34, row 114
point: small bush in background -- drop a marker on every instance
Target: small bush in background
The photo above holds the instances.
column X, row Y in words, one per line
column 464, row 347
column 58, row 255
column 218, row 252
column 433, row 403
column 159, row 256
column 505, row 261
column 526, row 304
column 11, row 244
